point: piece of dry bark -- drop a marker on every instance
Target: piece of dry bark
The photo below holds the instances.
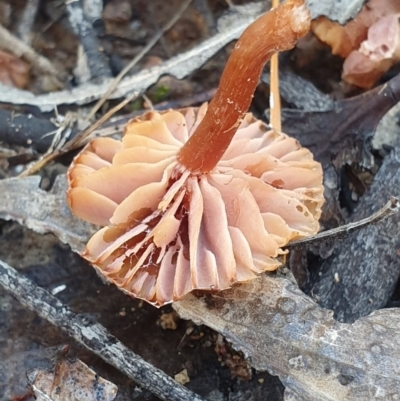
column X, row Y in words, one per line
column 97, row 62
column 335, row 10
column 286, row 333
column 278, row 327
column 365, row 283
column 337, row 132
column 70, row 380
column 43, row 211
column 362, row 273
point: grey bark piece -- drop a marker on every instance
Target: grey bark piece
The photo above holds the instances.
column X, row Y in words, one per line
column 93, row 336
column 97, row 61
column 336, row 10
column 301, row 93
column 41, row 211
column 367, row 264
column 92, row 9
column 387, row 132
column 318, row 359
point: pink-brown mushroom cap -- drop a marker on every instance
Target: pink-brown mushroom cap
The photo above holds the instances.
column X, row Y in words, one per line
column 168, row 231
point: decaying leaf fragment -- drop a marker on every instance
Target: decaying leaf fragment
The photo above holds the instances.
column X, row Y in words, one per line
column 70, row 380
column 286, row 333
column 370, row 43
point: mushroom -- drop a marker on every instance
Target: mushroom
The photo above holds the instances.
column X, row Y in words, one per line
column 200, row 198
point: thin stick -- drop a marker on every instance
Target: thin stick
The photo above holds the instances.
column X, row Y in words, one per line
column 274, row 96
column 136, row 59
column 76, row 142
column 392, row 207
column 93, row 336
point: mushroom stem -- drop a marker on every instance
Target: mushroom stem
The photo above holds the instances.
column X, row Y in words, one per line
column 276, row 30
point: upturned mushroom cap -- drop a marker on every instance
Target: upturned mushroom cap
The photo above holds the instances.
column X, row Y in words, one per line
column 169, row 231
column 201, row 198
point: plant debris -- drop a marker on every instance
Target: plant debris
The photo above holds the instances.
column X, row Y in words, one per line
column 13, row 71
column 70, row 380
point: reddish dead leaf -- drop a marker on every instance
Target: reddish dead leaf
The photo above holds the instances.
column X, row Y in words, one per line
column 13, row 71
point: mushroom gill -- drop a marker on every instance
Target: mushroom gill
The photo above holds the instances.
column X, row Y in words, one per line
column 171, row 225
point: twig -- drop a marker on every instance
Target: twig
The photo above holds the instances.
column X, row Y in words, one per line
column 76, row 142
column 274, row 96
column 97, row 61
column 14, row 45
column 136, row 59
column 82, row 139
column 149, row 103
column 24, row 29
column 93, row 336
column 392, row 207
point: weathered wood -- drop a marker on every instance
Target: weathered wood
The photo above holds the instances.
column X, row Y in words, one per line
column 97, row 61
column 285, row 332
column 367, row 264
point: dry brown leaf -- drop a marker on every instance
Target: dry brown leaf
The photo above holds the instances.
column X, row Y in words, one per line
column 13, row 71
column 70, row 380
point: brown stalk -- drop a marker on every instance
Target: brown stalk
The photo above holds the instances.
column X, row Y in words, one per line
column 276, row 30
